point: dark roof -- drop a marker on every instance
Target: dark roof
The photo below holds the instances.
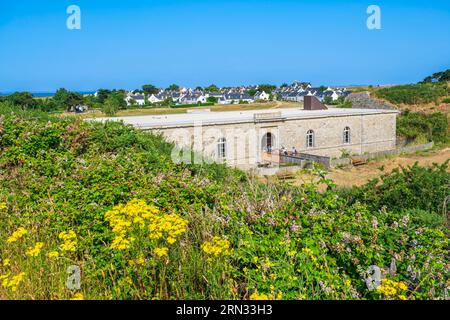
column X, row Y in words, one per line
column 238, row 96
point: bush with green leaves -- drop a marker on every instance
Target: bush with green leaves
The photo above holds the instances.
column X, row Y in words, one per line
column 414, row 93
column 424, row 127
column 64, row 180
column 413, row 189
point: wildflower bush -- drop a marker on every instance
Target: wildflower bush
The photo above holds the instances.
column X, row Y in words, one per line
column 107, row 199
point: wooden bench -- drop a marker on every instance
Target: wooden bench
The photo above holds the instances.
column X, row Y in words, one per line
column 359, row 161
column 286, row 176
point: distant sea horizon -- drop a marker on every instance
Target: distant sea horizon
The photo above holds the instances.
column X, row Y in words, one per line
column 45, row 94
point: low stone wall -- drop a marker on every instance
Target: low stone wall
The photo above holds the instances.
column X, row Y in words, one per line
column 407, row 149
column 340, row 162
column 261, row 172
column 303, row 158
column 374, row 155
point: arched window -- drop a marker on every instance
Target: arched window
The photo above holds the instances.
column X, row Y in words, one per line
column 222, row 149
column 347, row 135
column 310, row 139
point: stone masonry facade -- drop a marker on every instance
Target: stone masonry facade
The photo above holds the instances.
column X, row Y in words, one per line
column 243, row 142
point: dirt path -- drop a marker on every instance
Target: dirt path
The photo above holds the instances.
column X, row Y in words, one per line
column 351, row 176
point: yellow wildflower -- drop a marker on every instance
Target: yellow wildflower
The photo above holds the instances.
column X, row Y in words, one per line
column 3, row 205
column 70, row 241
column 67, row 235
column 216, row 247
column 391, row 289
column 77, row 297
column 402, row 286
column 53, row 254
column 161, row 252
column 69, row 245
column 123, row 220
column 292, row 253
column 4, row 280
column 120, row 243
column 17, row 235
column 6, row 262
column 12, row 283
column 36, row 250
column 256, row 296
column 140, row 261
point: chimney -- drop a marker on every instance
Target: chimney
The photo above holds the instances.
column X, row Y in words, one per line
column 312, row 103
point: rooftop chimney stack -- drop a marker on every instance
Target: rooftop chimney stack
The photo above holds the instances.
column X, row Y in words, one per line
column 312, row 103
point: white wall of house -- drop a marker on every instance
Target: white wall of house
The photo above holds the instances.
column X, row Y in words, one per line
column 154, row 99
column 262, row 96
column 139, row 102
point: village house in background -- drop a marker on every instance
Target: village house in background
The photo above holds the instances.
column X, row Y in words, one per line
column 235, row 95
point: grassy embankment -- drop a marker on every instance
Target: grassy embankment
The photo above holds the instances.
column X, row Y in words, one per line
column 200, row 232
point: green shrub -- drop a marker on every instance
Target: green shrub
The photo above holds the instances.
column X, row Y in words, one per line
column 431, row 127
column 243, row 239
column 414, row 93
column 410, row 188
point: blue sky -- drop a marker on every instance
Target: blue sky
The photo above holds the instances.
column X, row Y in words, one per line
column 124, row 44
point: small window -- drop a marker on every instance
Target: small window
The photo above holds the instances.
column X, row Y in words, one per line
column 310, row 139
column 347, row 135
column 222, row 149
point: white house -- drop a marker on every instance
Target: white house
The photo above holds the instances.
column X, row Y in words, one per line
column 154, row 99
column 333, row 94
column 192, row 98
column 262, row 96
column 139, row 99
column 235, row 98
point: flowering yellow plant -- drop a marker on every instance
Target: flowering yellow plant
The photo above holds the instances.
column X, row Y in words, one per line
column 257, row 296
column 216, row 247
column 70, row 242
column 392, row 290
column 17, row 235
column 36, row 250
column 3, row 206
column 161, row 252
column 53, row 254
column 77, row 297
column 139, row 217
column 13, row 282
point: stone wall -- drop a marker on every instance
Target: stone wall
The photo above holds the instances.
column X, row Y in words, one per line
column 244, row 141
column 363, row 100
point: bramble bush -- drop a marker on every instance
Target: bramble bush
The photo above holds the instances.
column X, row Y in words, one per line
column 108, row 199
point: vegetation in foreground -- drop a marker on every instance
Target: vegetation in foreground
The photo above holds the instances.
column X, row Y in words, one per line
column 107, row 199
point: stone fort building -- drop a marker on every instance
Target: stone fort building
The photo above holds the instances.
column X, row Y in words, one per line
column 244, row 139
